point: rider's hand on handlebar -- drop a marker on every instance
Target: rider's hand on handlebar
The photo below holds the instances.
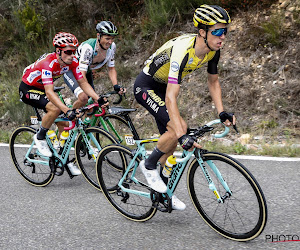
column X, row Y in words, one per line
column 103, row 102
column 188, row 142
column 71, row 114
column 228, row 119
column 120, row 89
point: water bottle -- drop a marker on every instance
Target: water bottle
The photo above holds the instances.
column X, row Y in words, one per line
column 87, row 121
column 171, row 161
column 63, row 137
column 53, row 138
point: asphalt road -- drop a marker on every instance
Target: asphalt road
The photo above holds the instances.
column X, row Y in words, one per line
column 71, row 214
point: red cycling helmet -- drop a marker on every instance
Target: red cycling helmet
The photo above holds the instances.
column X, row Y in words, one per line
column 63, row 39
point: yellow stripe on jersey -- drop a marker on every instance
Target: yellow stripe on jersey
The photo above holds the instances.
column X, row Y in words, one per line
column 175, row 59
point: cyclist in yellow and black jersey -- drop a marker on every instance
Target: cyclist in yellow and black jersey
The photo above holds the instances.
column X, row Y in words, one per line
column 157, row 87
column 177, row 58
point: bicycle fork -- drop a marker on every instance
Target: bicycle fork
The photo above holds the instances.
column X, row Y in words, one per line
column 211, row 184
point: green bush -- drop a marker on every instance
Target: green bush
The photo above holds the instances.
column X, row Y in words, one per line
column 274, row 29
column 31, row 22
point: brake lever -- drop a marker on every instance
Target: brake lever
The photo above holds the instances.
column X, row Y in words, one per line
column 235, row 128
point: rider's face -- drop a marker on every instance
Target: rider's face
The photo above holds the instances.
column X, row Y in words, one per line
column 106, row 41
column 216, row 42
column 67, row 54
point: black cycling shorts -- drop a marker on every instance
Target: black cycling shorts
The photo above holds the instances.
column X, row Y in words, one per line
column 33, row 96
column 151, row 95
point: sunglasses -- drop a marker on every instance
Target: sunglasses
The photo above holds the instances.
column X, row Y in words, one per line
column 219, row 32
column 69, row 52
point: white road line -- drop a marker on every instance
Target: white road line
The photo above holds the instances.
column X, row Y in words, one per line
column 243, row 157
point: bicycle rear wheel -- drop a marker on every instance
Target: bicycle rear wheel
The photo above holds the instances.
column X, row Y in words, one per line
column 33, row 172
column 243, row 215
column 133, row 206
column 119, row 128
column 86, row 161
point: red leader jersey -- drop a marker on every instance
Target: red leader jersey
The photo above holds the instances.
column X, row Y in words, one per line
column 47, row 69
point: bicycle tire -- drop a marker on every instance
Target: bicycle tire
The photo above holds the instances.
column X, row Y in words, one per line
column 246, row 193
column 86, row 162
column 121, row 129
column 36, row 174
column 131, row 206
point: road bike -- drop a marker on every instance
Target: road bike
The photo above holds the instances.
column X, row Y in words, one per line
column 116, row 122
column 40, row 170
column 224, row 192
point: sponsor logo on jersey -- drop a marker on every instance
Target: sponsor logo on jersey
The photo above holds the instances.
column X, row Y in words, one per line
column 64, row 70
column 33, row 75
column 191, row 61
column 163, row 58
column 70, row 81
column 174, row 66
column 87, row 55
column 46, row 73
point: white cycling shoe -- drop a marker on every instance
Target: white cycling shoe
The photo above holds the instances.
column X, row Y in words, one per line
column 153, row 178
column 177, row 204
column 42, row 146
column 73, row 169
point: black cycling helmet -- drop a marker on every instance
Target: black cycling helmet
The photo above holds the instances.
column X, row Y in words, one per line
column 106, row 28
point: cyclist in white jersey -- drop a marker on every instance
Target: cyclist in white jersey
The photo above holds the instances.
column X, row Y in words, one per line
column 94, row 54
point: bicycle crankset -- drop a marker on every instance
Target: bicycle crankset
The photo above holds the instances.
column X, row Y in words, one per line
column 161, row 202
column 56, row 166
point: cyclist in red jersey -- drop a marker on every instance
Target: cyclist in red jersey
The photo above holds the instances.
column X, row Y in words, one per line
column 37, row 89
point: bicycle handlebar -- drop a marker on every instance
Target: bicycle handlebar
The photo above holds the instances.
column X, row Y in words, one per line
column 218, row 121
column 82, row 110
column 108, row 94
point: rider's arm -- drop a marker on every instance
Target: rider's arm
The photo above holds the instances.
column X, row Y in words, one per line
column 216, row 95
column 215, row 91
column 53, row 97
column 87, row 88
column 112, row 73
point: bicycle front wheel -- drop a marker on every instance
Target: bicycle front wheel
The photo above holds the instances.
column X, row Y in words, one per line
column 98, row 139
column 26, row 157
column 243, row 215
column 133, row 206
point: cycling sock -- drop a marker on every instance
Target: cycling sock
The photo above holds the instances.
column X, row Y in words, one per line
column 150, row 162
column 41, row 134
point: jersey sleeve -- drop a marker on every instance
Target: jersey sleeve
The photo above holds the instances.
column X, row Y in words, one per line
column 212, row 66
column 111, row 59
column 86, row 57
column 178, row 61
column 76, row 69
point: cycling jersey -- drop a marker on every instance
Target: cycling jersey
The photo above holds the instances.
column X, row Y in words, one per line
column 177, row 58
column 47, row 69
column 87, row 51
